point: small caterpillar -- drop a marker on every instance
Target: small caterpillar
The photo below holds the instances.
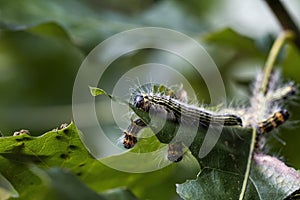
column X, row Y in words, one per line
column 273, row 121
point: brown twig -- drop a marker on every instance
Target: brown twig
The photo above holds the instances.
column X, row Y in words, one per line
column 285, row 19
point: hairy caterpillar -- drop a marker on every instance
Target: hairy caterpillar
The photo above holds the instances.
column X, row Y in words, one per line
column 172, row 106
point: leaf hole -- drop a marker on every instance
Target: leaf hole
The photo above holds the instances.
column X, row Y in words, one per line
column 58, row 137
column 79, row 173
column 66, row 131
column 64, row 156
column 73, row 147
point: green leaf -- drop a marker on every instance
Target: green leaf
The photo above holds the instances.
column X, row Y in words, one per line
column 66, row 186
column 28, row 53
column 272, row 178
column 86, row 27
column 213, row 184
column 119, row 194
column 6, row 189
column 224, row 168
column 45, row 29
column 62, row 184
column 229, row 38
column 96, row 91
column 289, row 64
column 63, row 148
column 153, row 160
column 50, row 29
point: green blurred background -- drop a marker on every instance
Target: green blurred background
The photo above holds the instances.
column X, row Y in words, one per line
column 43, row 43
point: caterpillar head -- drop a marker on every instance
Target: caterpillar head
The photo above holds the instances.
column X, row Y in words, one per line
column 142, row 102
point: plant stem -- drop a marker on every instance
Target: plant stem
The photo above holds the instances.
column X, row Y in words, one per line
column 273, row 54
column 285, row 19
column 279, row 42
column 249, row 163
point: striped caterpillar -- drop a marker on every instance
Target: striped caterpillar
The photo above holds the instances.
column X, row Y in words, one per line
column 171, row 107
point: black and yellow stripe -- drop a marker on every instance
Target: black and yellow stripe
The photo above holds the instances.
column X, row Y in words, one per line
column 273, row 121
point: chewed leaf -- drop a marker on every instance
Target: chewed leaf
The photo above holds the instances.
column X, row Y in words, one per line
column 97, row 91
column 25, row 159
